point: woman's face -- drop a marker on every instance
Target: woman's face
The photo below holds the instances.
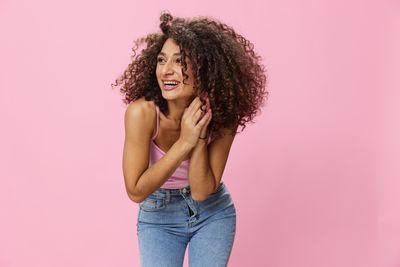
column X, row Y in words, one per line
column 169, row 72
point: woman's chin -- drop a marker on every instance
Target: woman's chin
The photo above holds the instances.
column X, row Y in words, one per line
column 169, row 95
column 175, row 94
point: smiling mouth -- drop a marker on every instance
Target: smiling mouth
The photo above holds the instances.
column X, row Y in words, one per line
column 170, row 85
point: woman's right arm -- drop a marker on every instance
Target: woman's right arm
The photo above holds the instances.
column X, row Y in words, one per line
column 141, row 179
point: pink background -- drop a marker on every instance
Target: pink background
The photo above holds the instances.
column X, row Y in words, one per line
column 315, row 180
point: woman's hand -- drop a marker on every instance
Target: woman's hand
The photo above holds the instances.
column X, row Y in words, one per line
column 206, row 109
column 194, row 121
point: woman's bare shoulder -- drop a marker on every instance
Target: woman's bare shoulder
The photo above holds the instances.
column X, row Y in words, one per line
column 142, row 107
column 141, row 111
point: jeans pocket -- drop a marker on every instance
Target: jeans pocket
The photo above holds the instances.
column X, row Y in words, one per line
column 152, row 204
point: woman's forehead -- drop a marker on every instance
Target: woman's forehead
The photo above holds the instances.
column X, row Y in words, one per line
column 170, row 46
column 165, row 54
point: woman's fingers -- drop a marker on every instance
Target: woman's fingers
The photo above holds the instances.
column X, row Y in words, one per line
column 190, row 107
column 194, row 106
column 197, row 110
column 205, row 120
column 199, row 113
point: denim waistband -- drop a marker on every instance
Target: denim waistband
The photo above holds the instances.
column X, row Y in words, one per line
column 176, row 191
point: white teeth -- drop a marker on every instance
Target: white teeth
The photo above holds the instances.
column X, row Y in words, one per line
column 170, row 83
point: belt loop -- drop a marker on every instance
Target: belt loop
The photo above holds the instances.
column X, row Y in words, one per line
column 167, row 196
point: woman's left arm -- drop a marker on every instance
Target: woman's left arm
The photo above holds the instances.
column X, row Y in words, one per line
column 207, row 164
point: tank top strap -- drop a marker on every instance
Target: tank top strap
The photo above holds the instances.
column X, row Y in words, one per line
column 209, row 139
column 158, row 122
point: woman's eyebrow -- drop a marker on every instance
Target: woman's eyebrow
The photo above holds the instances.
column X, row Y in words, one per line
column 175, row 54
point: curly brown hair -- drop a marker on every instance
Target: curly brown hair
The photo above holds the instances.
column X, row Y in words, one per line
column 224, row 65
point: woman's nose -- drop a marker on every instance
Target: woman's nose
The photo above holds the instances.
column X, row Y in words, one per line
column 167, row 68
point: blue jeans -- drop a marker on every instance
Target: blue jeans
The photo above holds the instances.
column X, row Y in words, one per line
column 169, row 219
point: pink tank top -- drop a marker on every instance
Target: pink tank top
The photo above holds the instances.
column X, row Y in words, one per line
column 179, row 178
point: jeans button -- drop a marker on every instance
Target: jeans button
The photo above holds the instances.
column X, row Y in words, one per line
column 184, row 190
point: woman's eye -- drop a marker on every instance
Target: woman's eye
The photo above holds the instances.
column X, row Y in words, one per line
column 160, row 59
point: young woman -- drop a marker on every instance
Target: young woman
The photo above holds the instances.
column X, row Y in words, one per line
column 187, row 92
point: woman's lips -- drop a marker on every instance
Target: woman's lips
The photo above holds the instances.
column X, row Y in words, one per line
column 168, row 87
